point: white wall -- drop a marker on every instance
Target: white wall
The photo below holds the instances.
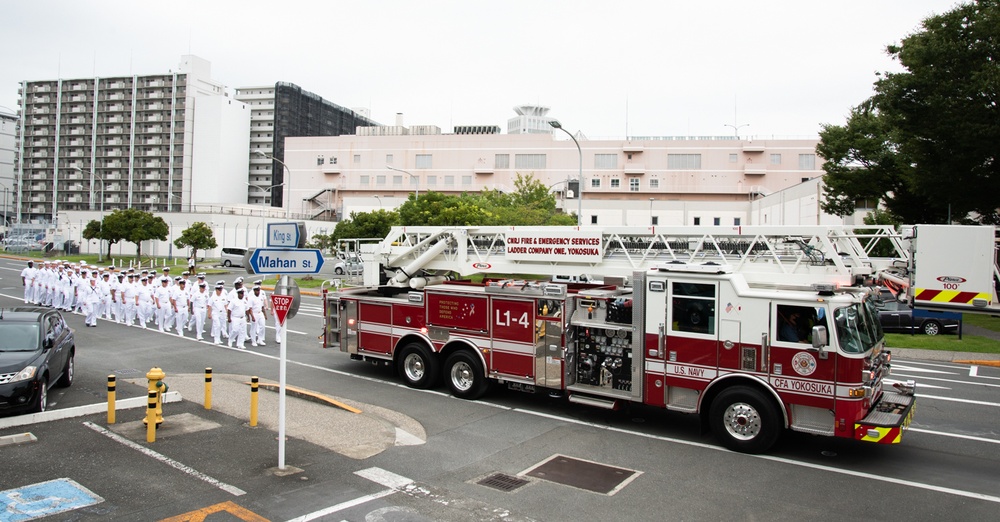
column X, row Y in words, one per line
column 219, row 152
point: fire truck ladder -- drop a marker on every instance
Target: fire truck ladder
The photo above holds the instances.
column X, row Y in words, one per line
column 414, row 256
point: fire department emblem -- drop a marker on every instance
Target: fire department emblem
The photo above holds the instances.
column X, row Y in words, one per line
column 804, row 363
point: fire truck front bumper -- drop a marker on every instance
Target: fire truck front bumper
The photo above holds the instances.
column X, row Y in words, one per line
column 888, row 419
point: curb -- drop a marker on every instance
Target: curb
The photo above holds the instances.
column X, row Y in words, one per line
column 994, row 364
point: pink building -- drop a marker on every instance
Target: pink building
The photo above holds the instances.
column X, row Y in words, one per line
column 648, row 180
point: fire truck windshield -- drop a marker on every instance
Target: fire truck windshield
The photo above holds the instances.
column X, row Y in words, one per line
column 858, row 327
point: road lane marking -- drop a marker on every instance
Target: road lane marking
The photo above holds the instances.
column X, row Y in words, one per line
column 233, row 490
column 953, row 381
column 954, row 435
column 965, row 401
column 343, row 505
column 199, row 515
column 921, row 370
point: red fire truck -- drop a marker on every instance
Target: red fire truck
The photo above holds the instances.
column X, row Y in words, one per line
column 756, row 329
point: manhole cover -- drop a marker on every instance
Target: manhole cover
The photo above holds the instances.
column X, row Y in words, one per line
column 503, row 482
column 583, row 474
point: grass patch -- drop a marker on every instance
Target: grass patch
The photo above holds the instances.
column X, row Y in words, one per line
column 989, row 322
column 308, row 282
column 968, row 343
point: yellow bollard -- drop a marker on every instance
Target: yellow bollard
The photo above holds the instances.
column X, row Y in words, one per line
column 151, row 417
column 208, row 388
column 111, row 399
column 254, row 383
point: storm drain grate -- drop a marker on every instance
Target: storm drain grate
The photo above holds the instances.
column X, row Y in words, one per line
column 503, row 482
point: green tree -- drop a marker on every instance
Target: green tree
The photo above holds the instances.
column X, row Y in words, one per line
column 95, row 230
column 925, row 143
column 198, row 236
column 135, row 226
column 365, row 224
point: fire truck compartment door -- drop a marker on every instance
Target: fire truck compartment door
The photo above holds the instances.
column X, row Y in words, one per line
column 514, row 337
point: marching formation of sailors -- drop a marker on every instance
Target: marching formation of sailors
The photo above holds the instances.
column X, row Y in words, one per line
column 143, row 297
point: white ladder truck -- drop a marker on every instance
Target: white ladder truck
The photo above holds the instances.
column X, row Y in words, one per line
column 755, row 329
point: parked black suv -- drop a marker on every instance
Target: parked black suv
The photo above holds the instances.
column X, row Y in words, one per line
column 37, row 348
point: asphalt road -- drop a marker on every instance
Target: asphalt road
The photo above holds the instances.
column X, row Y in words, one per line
column 945, row 468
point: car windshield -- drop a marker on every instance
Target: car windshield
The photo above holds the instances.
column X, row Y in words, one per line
column 18, row 337
column 858, row 328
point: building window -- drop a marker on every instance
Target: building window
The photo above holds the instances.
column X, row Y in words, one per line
column 319, row 160
column 397, row 180
column 423, row 161
column 807, row 162
column 775, row 159
column 333, row 161
column 655, row 220
column 684, row 161
column 380, row 180
column 732, row 158
column 357, row 159
column 633, row 184
column 593, row 220
column 654, row 183
column 716, row 221
column 616, row 183
column 501, row 161
column 605, row 161
column 449, row 181
column 466, row 181
column 364, row 181
column 697, row 221
column 595, row 183
column 529, row 161
column 432, row 181
column 388, row 159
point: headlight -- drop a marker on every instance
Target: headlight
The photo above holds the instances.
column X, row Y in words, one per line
column 27, row 373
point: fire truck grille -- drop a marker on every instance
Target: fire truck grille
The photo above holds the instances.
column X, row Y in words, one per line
column 503, row 482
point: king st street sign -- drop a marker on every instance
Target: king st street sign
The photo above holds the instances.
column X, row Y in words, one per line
column 286, row 261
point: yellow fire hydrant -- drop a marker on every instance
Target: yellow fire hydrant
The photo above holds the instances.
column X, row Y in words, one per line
column 156, row 388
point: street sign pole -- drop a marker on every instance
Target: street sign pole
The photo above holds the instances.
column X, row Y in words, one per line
column 281, row 305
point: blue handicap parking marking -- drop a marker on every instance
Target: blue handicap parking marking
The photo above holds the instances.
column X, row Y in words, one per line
column 44, row 499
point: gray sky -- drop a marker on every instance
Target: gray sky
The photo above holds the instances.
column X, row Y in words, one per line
column 653, row 68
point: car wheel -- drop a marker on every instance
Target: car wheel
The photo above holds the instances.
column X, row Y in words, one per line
column 227, row 263
column 745, row 419
column 417, row 366
column 67, row 377
column 338, row 271
column 931, row 327
column 43, row 396
column 465, row 376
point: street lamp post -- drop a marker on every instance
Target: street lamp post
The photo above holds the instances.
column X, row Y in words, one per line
column 288, row 179
column 650, row 211
column 579, row 197
column 100, row 224
column 262, row 208
column 416, row 191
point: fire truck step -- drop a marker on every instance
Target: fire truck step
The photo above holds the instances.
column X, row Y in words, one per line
column 608, row 404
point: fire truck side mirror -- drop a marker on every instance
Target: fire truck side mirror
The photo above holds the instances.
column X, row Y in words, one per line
column 820, row 340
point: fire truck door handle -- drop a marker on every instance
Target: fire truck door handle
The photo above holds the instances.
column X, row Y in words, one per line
column 660, row 340
column 765, row 349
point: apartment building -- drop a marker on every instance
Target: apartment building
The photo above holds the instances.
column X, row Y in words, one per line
column 284, row 110
column 130, row 142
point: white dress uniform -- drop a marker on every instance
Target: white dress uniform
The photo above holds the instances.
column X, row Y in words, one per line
column 128, row 292
column 161, row 296
column 256, row 301
column 181, row 305
column 145, row 305
column 217, row 306
column 237, row 315
column 28, row 281
column 199, row 309
column 104, row 285
column 91, row 301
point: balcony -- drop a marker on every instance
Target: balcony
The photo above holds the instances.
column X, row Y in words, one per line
column 635, row 168
column 629, row 147
column 753, row 147
column 754, row 169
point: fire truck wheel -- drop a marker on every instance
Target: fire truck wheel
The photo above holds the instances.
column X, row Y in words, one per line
column 465, row 376
column 417, row 366
column 745, row 420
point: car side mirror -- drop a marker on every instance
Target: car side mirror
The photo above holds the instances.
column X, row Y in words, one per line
column 820, row 339
column 47, row 343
